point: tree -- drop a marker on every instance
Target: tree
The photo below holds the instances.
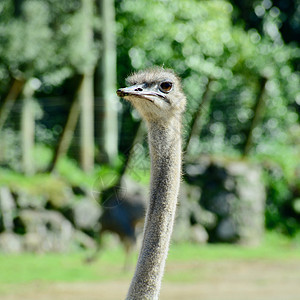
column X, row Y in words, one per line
column 86, row 92
column 107, row 76
column 199, row 40
column 56, row 38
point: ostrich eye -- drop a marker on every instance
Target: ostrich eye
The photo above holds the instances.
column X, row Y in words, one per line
column 166, row 86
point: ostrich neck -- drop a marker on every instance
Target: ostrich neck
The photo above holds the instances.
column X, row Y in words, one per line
column 165, row 150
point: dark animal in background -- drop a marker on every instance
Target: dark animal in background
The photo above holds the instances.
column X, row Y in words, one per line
column 123, row 214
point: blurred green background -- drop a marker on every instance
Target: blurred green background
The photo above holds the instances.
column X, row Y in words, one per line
column 74, row 158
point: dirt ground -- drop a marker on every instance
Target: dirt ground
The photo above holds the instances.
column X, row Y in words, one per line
column 235, row 280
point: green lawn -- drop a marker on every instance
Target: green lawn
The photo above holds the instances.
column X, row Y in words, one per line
column 26, row 268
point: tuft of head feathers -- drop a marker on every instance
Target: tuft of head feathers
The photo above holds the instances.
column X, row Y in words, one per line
column 154, row 74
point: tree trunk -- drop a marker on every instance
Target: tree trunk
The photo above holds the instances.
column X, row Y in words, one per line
column 196, row 125
column 139, row 134
column 8, row 102
column 258, row 111
column 68, row 132
column 86, row 99
column 27, row 130
column 107, row 74
column 86, row 95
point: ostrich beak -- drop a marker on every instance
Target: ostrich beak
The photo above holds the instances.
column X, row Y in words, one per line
column 135, row 90
column 139, row 91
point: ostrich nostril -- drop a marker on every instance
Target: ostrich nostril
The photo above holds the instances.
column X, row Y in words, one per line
column 121, row 93
column 138, row 89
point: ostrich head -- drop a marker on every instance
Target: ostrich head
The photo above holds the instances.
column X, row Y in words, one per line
column 156, row 93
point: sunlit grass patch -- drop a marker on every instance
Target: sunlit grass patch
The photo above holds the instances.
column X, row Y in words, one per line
column 184, row 262
column 274, row 246
column 25, row 268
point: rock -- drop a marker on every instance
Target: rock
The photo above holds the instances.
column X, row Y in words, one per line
column 226, row 230
column 26, row 200
column 233, row 191
column 33, row 242
column 249, row 207
column 61, row 198
column 191, row 210
column 86, row 213
column 185, row 232
column 7, row 209
column 10, row 242
column 46, row 231
column 191, row 218
column 199, row 234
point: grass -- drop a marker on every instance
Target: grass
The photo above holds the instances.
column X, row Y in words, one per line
column 274, row 246
column 27, row 268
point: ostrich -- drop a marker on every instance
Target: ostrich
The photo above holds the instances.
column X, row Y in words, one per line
column 157, row 95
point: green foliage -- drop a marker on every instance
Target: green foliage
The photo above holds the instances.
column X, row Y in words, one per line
column 10, row 154
column 42, row 185
column 198, row 40
column 47, row 40
column 282, row 181
column 67, row 175
column 50, row 40
column 282, row 212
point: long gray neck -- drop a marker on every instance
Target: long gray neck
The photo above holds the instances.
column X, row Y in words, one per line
column 165, row 150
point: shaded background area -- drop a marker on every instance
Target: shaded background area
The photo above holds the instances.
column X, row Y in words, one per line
column 74, row 160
